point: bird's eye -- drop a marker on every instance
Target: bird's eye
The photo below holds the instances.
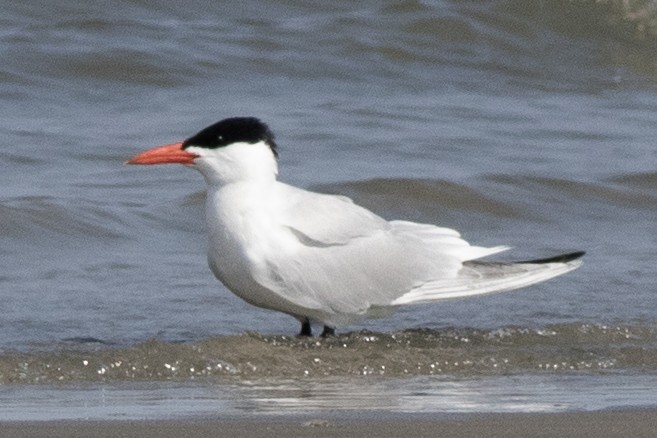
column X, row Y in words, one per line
column 220, row 138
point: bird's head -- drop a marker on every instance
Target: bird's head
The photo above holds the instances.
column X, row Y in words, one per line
column 234, row 149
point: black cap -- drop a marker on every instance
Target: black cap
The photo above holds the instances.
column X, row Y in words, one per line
column 233, row 130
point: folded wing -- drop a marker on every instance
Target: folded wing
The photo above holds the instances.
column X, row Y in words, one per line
column 348, row 260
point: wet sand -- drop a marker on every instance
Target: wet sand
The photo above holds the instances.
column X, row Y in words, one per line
column 635, row 423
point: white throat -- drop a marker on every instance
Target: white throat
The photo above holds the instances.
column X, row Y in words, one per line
column 236, row 163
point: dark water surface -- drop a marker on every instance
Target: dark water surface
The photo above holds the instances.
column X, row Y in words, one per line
column 530, row 124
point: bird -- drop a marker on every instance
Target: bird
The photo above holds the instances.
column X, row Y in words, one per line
column 321, row 258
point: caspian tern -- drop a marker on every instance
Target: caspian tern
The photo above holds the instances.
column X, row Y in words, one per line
column 321, row 258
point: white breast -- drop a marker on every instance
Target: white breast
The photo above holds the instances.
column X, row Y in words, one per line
column 244, row 235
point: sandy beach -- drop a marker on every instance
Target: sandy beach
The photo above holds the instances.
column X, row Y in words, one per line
column 635, row 423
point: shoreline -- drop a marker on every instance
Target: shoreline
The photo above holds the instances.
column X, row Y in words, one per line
column 611, row 423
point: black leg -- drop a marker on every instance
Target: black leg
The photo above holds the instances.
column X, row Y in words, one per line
column 306, row 330
column 328, row 331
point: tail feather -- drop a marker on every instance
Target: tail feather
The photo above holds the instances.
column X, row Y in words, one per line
column 478, row 278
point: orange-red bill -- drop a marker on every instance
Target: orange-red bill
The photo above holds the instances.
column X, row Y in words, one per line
column 170, row 153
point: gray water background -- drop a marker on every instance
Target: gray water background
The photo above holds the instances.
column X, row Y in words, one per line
column 530, row 124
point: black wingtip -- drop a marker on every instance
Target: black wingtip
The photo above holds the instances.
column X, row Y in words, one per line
column 563, row 258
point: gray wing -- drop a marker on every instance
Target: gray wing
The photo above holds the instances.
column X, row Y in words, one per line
column 348, row 260
column 325, row 220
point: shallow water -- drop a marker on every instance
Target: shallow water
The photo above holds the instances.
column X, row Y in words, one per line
column 326, row 399
column 456, row 352
column 530, row 124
